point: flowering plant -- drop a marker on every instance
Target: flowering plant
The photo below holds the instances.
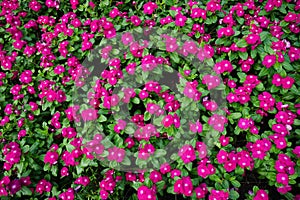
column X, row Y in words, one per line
column 149, row 100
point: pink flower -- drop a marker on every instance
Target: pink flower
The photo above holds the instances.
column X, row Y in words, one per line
column 213, row 6
column 244, row 123
column 64, row 171
column 144, row 193
column 130, row 176
column 224, row 140
column 296, row 151
column 114, row 13
column 68, row 132
column 115, row 153
column 127, row 38
column 135, row 20
column 277, row 80
column 287, row 82
column 211, row 81
column 261, row 195
column 120, row 126
column 191, row 91
column 43, row 186
column 218, row 194
column 223, row 66
column 225, row 31
column 217, row 122
column 294, row 54
column 290, row 17
column 165, row 168
column 282, row 178
column 155, row 176
column 167, row 121
column 180, row 19
column 69, row 195
column 51, row 157
column 197, row 13
column 196, row 128
column 202, row 149
column 229, row 166
column 187, row 153
column 149, row 7
column 83, row 180
column 284, row 189
column 269, row 61
column 201, row 191
column 89, row 114
column 253, row 39
column 35, row 6
column 175, row 172
column 184, row 186
column 222, row 156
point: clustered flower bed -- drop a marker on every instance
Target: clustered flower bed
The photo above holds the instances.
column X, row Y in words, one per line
column 150, row 100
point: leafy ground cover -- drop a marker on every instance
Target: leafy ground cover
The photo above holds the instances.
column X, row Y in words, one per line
column 149, row 100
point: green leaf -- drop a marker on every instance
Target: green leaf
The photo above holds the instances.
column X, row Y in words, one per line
column 174, row 56
column 233, row 194
column 264, row 35
column 159, row 153
column 242, row 76
column 264, row 71
column 189, row 166
column 240, row 20
column 136, row 100
column 297, row 122
column 26, row 191
column 235, row 183
column 102, row 118
column 255, row 189
column 253, row 53
column 241, row 43
column 126, row 161
column 287, row 66
column 260, row 87
column 129, row 130
column 147, row 116
column 243, row 55
column 235, row 115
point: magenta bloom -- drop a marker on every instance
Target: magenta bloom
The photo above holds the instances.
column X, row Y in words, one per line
column 127, row 38
column 244, row 123
column 297, row 151
column 165, row 168
column 180, row 19
column 184, row 186
column 83, row 180
column 201, row 191
column 224, row 140
column 89, row 114
column 149, row 7
column 187, row 153
column 51, row 157
column 197, row 13
column 196, row 128
column 115, row 153
column 277, row 80
column 269, row 61
column 168, row 121
column 261, row 195
column 155, row 176
column 282, row 178
column 252, row 39
column 145, row 193
column 287, row 82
